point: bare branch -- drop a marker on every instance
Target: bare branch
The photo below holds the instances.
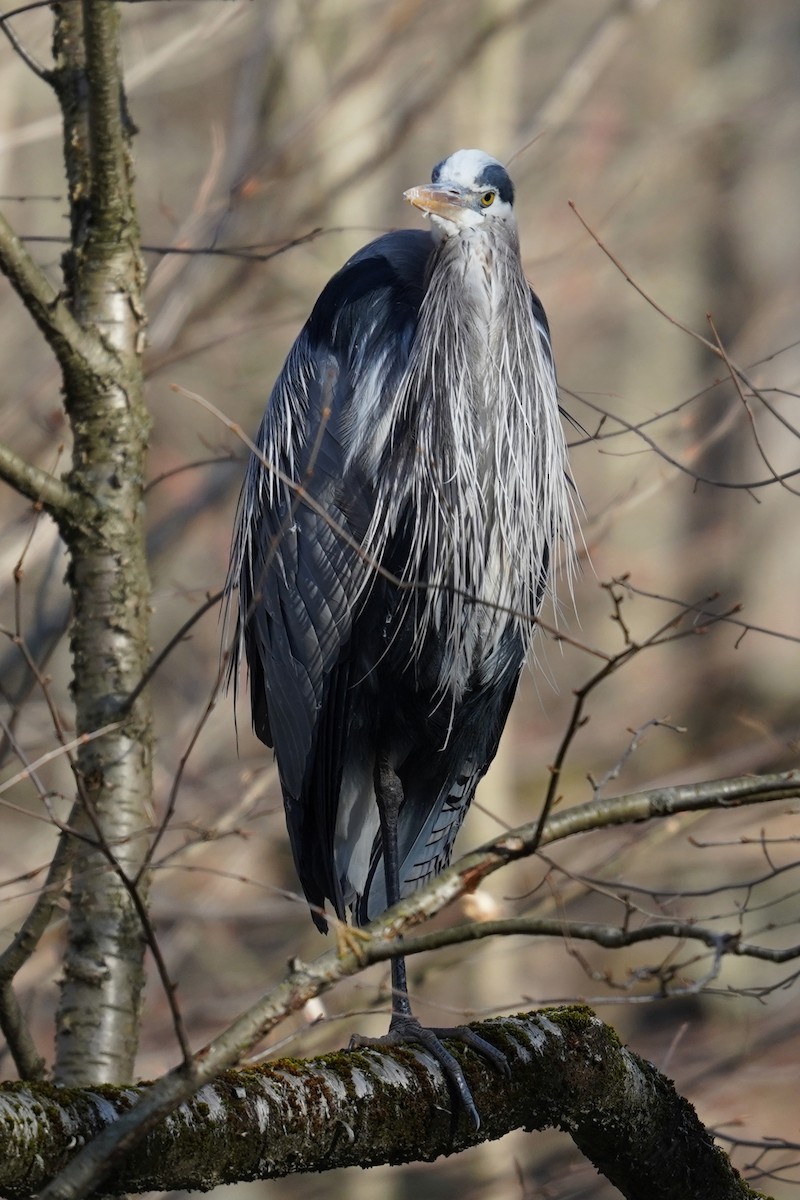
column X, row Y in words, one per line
column 661, row 802
column 715, row 347
column 19, row 46
column 611, row 937
column 29, row 1062
column 209, row 603
column 735, row 380
column 70, row 343
column 35, row 484
column 735, row 485
column 27, row 1059
column 664, row 633
column 727, row 618
column 28, row 935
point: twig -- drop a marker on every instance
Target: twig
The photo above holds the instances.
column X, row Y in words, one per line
column 750, row 485
column 29, row 1062
column 35, row 484
column 176, row 783
column 740, row 393
column 664, row 633
column 65, row 748
column 190, row 466
column 727, row 618
column 27, row 1059
column 636, row 736
column 209, row 603
column 66, row 337
column 42, row 72
column 714, row 348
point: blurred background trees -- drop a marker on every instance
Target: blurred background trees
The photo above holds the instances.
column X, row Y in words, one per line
column 279, row 138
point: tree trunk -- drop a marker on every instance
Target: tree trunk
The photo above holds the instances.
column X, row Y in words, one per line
column 103, row 973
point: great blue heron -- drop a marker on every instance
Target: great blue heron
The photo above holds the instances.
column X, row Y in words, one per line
column 393, row 544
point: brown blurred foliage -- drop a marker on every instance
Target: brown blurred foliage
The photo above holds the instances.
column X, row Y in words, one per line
column 280, row 136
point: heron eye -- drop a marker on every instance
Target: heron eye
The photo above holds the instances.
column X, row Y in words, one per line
column 486, row 199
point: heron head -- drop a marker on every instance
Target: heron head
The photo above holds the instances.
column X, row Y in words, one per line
column 468, row 190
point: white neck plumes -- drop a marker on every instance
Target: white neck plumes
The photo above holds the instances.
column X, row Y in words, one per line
column 484, row 471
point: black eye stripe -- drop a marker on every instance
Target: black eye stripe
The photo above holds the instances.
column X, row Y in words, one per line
column 496, row 178
column 493, row 178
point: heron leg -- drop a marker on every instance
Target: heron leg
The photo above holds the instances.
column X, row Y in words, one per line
column 404, row 1026
column 389, row 795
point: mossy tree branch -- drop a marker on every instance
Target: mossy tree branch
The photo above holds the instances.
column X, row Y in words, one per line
column 568, row 1071
column 377, row 943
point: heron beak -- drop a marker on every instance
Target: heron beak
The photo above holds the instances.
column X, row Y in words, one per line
column 446, row 202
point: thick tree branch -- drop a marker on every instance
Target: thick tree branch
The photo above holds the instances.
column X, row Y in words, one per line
column 377, row 943
column 364, row 1107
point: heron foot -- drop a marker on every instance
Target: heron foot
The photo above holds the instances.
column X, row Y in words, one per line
column 406, row 1028
column 350, row 939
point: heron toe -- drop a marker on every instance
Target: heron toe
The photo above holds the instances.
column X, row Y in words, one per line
column 406, row 1028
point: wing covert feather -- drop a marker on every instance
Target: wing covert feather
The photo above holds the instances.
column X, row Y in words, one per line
column 300, row 575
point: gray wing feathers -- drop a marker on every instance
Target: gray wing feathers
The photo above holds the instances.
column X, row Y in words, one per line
column 297, row 576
